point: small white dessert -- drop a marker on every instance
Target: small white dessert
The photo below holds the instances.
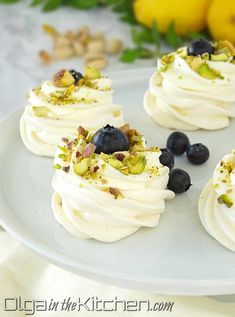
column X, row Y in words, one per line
column 217, row 203
column 108, row 197
column 59, row 106
column 193, row 92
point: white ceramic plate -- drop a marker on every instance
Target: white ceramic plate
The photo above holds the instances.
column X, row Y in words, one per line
column 177, row 257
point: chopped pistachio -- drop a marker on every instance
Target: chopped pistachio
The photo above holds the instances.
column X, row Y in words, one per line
column 168, row 59
column 57, row 166
column 163, row 67
column 63, row 79
column 207, row 72
column 206, row 56
column 91, row 72
column 66, row 140
column 66, row 169
column 82, row 167
column 115, row 163
column 104, row 156
column 228, row 45
column 62, row 148
column 137, row 164
column 62, row 156
column 182, row 52
column 116, row 113
column 219, row 57
column 115, row 192
column 125, row 128
column 124, row 170
column 159, row 79
column 137, row 148
column 40, row 111
column 194, row 62
column 62, row 97
column 120, row 156
column 224, row 199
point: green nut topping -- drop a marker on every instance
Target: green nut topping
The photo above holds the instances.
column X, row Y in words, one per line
column 137, row 164
column 57, row 166
column 168, row 59
column 63, row 79
column 224, row 199
column 40, row 111
column 115, row 163
column 78, row 154
column 207, row 72
column 219, row 57
column 159, row 79
column 82, row 167
column 91, row 72
column 182, row 52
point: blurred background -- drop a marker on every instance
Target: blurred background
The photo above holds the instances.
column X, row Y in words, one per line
column 39, row 37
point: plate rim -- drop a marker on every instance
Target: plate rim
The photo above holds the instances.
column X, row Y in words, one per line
column 159, row 285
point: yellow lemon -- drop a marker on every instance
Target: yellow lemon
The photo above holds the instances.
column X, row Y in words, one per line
column 187, row 15
column 221, row 20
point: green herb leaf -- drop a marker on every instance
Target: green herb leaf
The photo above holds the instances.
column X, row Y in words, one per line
column 9, row 1
column 198, row 35
column 172, row 38
column 135, row 37
column 129, row 55
column 128, row 18
column 156, row 35
column 84, row 5
column 145, row 53
column 142, row 36
column 34, row 3
column 51, row 5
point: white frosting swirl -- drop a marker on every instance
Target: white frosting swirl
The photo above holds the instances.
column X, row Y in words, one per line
column 87, row 211
column 185, row 100
column 89, row 107
column 217, row 203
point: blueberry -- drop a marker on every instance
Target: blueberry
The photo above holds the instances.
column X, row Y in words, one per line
column 177, row 143
column 167, row 158
column 179, row 181
column 199, row 47
column 197, row 154
column 109, row 140
column 76, row 75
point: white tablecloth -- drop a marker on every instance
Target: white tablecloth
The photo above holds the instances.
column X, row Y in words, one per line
column 22, row 273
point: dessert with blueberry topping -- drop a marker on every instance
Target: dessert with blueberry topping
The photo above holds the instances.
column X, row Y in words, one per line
column 194, row 87
column 217, row 203
column 108, row 185
column 58, row 106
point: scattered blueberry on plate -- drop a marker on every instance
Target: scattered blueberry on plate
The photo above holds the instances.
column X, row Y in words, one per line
column 179, row 181
column 177, row 143
column 167, row 158
column 197, row 153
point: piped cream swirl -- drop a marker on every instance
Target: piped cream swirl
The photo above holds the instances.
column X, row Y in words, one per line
column 217, row 203
column 63, row 110
column 180, row 98
column 88, row 209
